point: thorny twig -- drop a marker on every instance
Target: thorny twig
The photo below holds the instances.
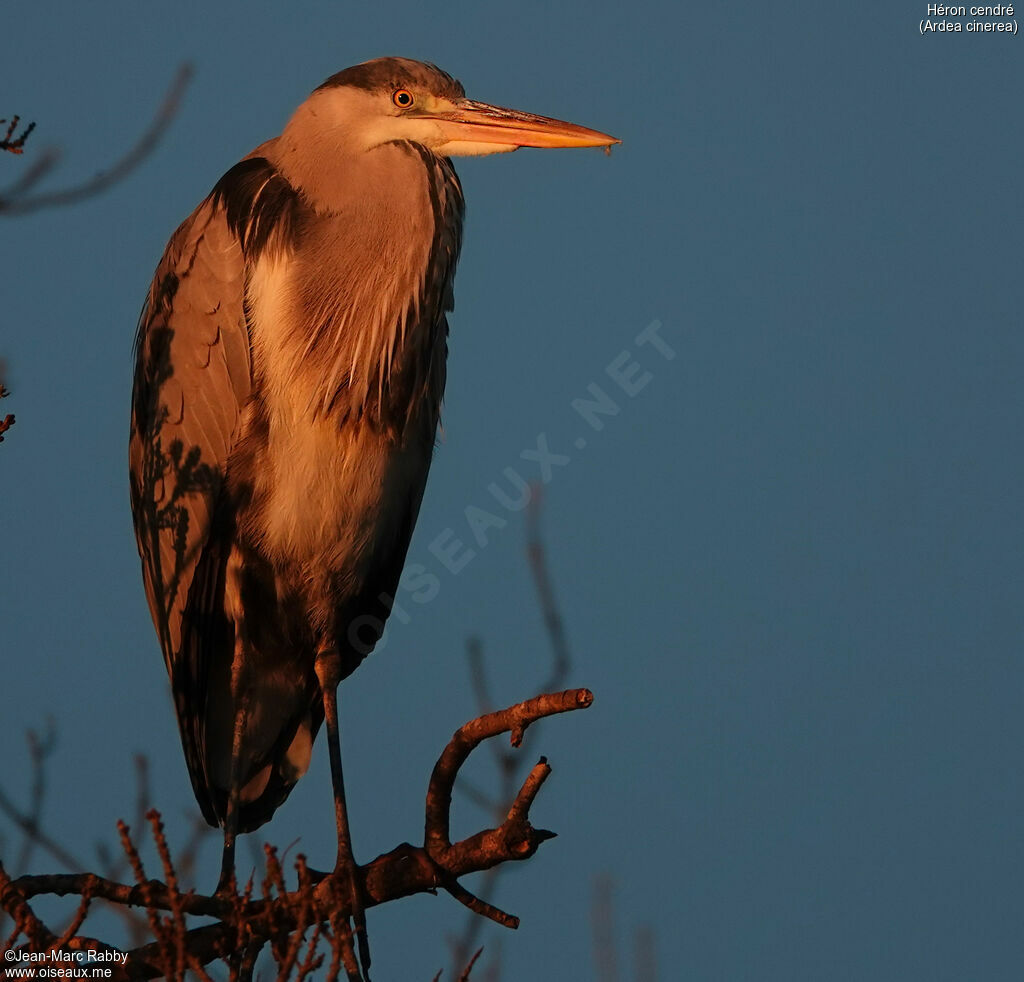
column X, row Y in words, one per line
column 16, row 200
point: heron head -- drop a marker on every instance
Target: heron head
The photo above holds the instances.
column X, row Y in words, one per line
column 389, row 100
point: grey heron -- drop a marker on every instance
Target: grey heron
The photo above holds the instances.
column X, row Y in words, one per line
column 290, row 365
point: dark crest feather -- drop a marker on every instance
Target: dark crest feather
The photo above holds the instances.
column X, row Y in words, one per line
column 396, row 73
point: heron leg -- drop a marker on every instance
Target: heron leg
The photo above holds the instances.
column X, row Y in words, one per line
column 240, row 698
column 328, row 670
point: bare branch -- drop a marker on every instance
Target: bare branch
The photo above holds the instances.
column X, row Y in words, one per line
column 173, row 893
column 515, row 719
column 39, row 749
column 7, row 421
column 26, row 923
column 281, row 918
column 480, row 907
column 464, row 977
column 16, row 201
column 31, row 828
column 156, row 924
column 76, row 922
column 521, row 806
column 12, row 143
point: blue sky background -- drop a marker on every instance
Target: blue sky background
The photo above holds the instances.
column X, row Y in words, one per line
column 790, row 568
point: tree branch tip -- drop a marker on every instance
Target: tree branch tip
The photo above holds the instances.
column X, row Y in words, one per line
column 478, row 906
column 464, row 977
column 5, row 424
column 520, row 808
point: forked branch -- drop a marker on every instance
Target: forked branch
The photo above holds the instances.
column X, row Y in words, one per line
column 283, row 918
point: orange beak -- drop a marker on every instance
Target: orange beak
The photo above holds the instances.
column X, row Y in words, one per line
column 479, row 123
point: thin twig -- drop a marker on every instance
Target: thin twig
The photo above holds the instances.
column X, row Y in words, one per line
column 173, row 893
column 25, row 920
column 464, row 977
column 312, row 961
column 155, row 921
column 16, row 201
column 76, row 922
column 39, row 749
column 12, row 143
column 25, row 823
column 537, row 554
column 287, row 963
column 606, row 959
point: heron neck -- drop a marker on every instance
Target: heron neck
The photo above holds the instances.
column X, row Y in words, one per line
column 371, row 273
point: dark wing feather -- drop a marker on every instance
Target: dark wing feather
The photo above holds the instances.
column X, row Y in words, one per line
column 192, row 376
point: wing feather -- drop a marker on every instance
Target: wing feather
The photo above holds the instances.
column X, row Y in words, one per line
column 193, row 376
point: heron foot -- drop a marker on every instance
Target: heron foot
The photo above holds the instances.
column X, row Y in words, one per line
column 346, row 877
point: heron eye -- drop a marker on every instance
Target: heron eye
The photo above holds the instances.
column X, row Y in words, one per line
column 402, row 98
